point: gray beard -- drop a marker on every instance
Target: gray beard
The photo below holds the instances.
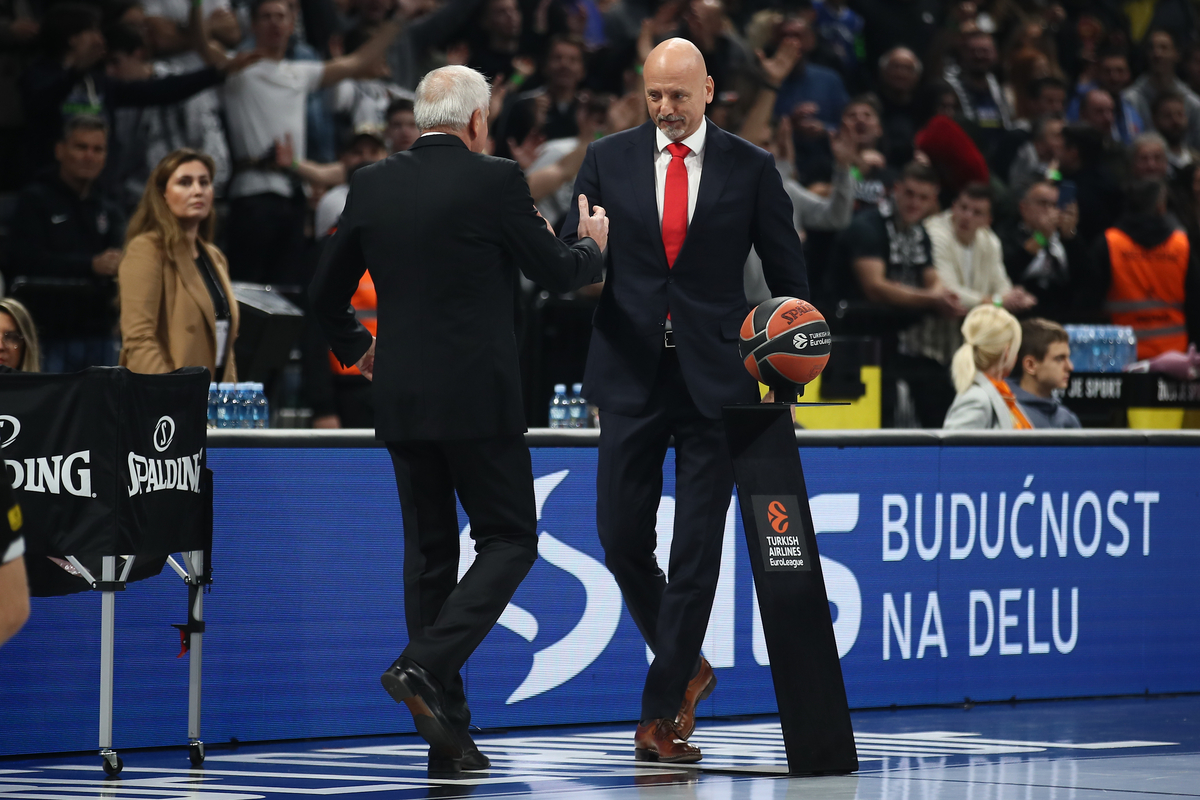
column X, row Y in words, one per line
column 674, row 134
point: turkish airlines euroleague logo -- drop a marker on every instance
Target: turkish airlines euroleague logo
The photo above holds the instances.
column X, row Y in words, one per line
column 784, row 544
column 777, row 516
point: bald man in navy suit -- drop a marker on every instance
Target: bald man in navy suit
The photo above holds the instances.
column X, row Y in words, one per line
column 687, row 200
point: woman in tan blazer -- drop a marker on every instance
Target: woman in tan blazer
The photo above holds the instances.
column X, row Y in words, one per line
column 177, row 305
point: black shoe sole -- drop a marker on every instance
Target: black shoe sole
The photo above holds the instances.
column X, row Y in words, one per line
column 431, row 729
column 640, row 754
column 474, row 762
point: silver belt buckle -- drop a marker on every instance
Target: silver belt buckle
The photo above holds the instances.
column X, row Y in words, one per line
column 668, row 338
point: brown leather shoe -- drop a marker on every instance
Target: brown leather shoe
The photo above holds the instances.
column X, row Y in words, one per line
column 658, row 740
column 698, row 689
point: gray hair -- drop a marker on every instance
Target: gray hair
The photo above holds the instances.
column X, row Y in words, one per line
column 84, row 122
column 1148, row 138
column 447, row 97
column 887, row 57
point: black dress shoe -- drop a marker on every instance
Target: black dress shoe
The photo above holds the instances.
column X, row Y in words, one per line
column 472, row 759
column 409, row 683
column 439, row 764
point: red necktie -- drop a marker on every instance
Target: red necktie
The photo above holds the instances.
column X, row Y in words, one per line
column 675, row 202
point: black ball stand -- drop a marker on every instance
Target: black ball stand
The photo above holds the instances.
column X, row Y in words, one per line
column 806, row 672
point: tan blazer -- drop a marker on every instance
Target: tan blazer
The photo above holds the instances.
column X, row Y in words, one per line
column 167, row 315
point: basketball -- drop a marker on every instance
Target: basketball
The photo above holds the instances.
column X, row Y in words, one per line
column 785, row 340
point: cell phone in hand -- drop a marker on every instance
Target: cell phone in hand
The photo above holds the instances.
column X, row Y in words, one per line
column 1067, row 193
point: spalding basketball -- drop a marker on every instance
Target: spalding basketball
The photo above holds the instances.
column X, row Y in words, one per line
column 785, row 340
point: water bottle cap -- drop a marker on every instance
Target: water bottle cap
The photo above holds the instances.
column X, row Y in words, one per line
column 225, row 387
column 577, row 388
column 560, row 388
column 212, row 387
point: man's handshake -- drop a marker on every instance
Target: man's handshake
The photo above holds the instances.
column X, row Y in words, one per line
column 594, row 225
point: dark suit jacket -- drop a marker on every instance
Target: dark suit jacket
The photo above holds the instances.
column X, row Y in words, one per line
column 443, row 232
column 741, row 202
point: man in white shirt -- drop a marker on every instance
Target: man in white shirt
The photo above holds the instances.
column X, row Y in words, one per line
column 265, row 103
column 969, row 260
column 688, row 200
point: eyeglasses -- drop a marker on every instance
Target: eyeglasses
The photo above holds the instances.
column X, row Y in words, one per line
column 12, row 340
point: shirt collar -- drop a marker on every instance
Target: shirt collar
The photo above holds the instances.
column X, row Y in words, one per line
column 695, row 142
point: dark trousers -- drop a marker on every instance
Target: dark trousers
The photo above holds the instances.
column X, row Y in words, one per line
column 928, row 383
column 265, row 239
column 672, row 615
column 448, row 618
column 355, row 403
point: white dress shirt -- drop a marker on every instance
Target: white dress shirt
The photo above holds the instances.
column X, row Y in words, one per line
column 694, row 161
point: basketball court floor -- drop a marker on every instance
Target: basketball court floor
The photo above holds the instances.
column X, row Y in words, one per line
column 1124, row 749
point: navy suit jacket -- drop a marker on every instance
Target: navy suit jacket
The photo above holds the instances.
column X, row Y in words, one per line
column 741, row 202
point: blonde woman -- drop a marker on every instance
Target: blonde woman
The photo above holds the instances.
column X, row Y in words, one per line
column 177, row 305
column 18, row 337
column 992, row 338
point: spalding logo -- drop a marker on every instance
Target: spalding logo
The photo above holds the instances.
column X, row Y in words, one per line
column 164, row 433
column 777, row 516
column 800, row 340
column 7, row 437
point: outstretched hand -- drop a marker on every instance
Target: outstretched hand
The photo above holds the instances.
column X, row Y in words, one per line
column 239, row 61
column 593, row 225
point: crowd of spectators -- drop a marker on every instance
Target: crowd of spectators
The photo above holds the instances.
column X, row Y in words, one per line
column 1034, row 156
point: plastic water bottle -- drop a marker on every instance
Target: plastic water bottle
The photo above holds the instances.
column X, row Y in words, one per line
column 214, row 400
column 577, row 408
column 1078, row 356
column 245, row 403
column 1086, row 334
column 559, row 414
column 261, row 411
column 227, row 405
column 1129, row 347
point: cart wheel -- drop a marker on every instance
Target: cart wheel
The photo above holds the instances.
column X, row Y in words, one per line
column 112, row 764
column 196, row 753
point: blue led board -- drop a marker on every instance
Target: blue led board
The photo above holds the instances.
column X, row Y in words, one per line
column 952, row 572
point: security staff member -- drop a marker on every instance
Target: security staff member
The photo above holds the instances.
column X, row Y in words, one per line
column 1145, row 276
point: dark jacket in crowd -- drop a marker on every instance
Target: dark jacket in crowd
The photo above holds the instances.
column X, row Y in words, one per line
column 1049, row 275
column 1044, row 412
column 1146, row 230
column 55, row 234
column 1100, row 200
column 52, row 94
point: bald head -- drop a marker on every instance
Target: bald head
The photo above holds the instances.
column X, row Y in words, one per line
column 677, row 88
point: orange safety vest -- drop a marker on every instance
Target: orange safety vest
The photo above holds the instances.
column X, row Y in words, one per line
column 1147, row 291
column 364, row 303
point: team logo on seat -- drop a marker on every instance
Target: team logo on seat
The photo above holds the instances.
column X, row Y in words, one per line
column 164, row 433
